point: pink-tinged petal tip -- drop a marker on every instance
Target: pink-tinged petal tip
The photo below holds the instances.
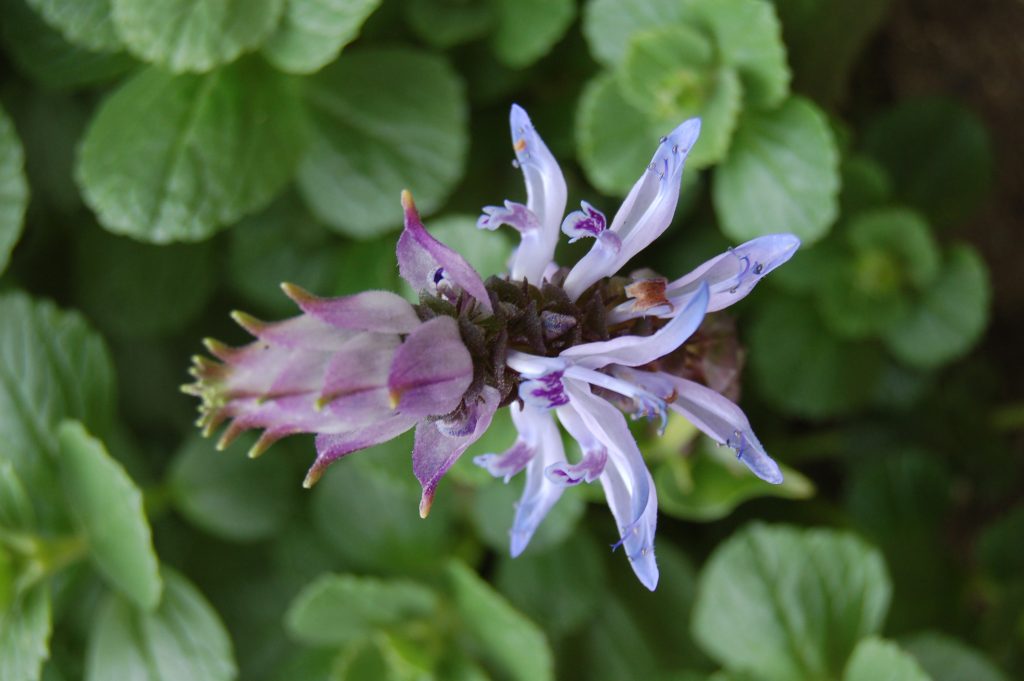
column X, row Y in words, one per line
column 426, row 502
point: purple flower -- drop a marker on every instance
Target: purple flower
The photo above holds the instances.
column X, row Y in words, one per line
column 557, row 346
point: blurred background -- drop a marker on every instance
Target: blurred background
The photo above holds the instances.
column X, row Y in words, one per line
column 164, row 162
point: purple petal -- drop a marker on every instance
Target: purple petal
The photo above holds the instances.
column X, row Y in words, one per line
column 588, row 222
column 421, row 256
column 332, row 447
column 545, row 197
column 539, row 493
column 588, row 469
column 733, row 274
column 434, row 452
column 507, row 464
column 639, row 350
column 636, row 537
column 380, row 311
column 544, row 392
column 431, row 370
column 303, row 331
column 647, row 210
column 515, row 215
column 363, row 363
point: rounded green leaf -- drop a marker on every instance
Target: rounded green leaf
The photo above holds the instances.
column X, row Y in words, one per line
column 786, row 603
column 13, row 188
column 371, row 142
column 938, row 155
column 365, row 509
column 194, row 35
column 172, row 158
column 230, row 495
column 108, row 507
column 182, row 639
column 157, row 289
column 338, row 609
column 447, row 23
column 52, row 366
column 285, row 244
column 748, row 37
column 892, row 253
column 25, row 626
column 671, row 74
column 15, row 506
column 43, row 54
column 313, row 32
column 781, row 175
column 710, row 484
column 878, row 660
column 608, row 25
column 948, row 317
column 615, row 140
column 561, row 588
column 803, row 369
column 528, row 29
column 506, row 639
column 84, row 23
column 947, row 659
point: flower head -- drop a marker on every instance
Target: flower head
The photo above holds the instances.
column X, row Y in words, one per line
column 572, row 347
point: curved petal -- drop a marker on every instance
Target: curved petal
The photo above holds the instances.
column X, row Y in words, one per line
column 435, row 452
column 718, row 418
column 545, row 197
column 331, row 447
column 431, row 370
column 647, row 210
column 421, row 258
column 539, row 494
column 380, row 311
column 639, row 350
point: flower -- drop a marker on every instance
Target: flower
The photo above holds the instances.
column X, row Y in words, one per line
column 557, row 346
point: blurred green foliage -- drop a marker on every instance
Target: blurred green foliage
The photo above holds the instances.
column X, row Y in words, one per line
column 184, row 157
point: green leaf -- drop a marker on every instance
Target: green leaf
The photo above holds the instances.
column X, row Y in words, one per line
column 182, row 639
column 865, row 184
column 488, row 252
column 785, row 603
column 84, row 23
column 52, row 366
column 158, row 289
column 949, row 316
column 13, row 188
column 506, row 639
column 313, row 32
column 528, row 29
column 939, row 157
column 824, row 39
column 671, row 74
column 711, row 483
column 616, row 647
column 946, row 659
column 172, row 158
column 194, row 35
column 447, row 23
column 337, row 609
column 230, row 495
column 15, row 505
column 108, row 507
column 365, row 508
column 802, row 369
column 893, row 252
column 999, row 549
column 284, row 243
column 25, row 635
column 748, row 37
column 878, row 660
column 494, row 507
column 371, row 142
column 561, row 588
column 43, row 54
column 781, row 175
column 608, row 25
column 614, row 139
